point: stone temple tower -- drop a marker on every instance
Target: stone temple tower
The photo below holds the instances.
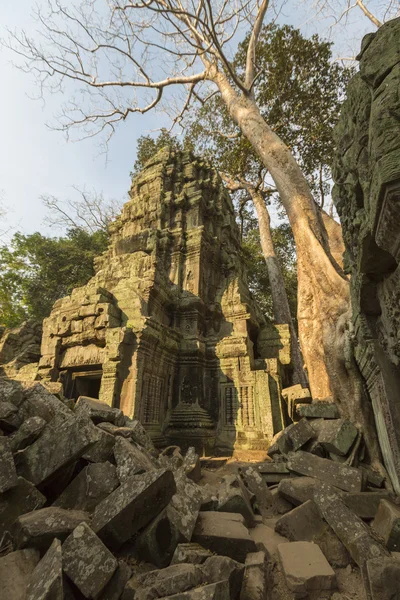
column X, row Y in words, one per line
column 167, row 328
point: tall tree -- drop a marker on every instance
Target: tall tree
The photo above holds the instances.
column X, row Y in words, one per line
column 127, row 57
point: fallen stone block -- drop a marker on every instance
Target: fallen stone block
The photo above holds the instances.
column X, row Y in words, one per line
column 318, row 410
column 305, row 568
column 357, row 537
column 131, row 459
column 273, row 472
column 38, row 402
column 233, row 497
column 38, row 528
column 192, row 465
column 257, row 486
column 8, row 473
column 337, row 436
column 140, row 435
column 99, row 412
column 29, row 431
column 55, row 449
column 338, row 475
column 87, row 561
column 209, row 498
column 117, row 583
column 162, row 583
column 102, row 450
column 94, row 483
column 11, row 391
column 295, row 436
column 365, row 504
column 254, row 586
column 298, row 489
column 373, row 478
column 387, row 524
column 281, row 505
column 21, row 499
column 132, row 506
column 382, row 579
column 16, row 571
column 46, row 582
column 217, row 568
column 224, row 533
column 9, row 417
column 213, row 591
column 266, row 539
column 190, row 553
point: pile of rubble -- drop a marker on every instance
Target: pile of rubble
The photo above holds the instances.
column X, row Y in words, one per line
column 90, row 509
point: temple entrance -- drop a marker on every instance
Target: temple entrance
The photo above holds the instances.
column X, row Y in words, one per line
column 83, row 383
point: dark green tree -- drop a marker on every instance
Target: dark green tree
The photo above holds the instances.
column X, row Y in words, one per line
column 37, row 270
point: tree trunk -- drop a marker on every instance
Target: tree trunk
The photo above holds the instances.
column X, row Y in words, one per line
column 280, row 301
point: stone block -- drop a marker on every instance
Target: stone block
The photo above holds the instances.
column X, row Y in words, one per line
column 365, row 504
column 38, row 402
column 318, row 410
column 305, row 568
column 225, row 534
column 22, row 498
column 162, row 583
column 273, row 472
column 192, row 465
column 356, row 536
column 190, row 553
column 295, row 436
column 56, row 448
column 131, row 459
column 282, row 506
column 102, row 450
column 46, row 582
column 87, row 561
column 8, row 473
column 132, row 506
column 387, row 524
column 382, row 579
column 38, row 528
column 213, row 591
column 139, row 435
column 298, row 489
column 117, row 583
column 16, row 571
column 94, row 483
column 99, row 412
column 337, row 436
column 266, row 539
column 254, row 585
column 9, row 417
column 232, row 497
column 29, row 431
column 217, row 568
column 257, row 486
column 11, row 391
column 345, row 478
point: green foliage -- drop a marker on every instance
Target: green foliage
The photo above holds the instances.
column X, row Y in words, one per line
column 37, row 270
column 148, row 146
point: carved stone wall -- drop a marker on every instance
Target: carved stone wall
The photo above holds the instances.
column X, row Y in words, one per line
column 167, row 328
column 367, row 197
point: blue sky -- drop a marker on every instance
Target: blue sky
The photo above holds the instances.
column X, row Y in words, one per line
column 35, row 160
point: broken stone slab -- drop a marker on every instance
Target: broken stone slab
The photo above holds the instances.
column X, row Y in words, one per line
column 382, row 579
column 102, row 450
column 29, row 431
column 16, row 571
column 387, row 524
column 345, row 478
column 337, row 436
column 140, row 435
column 132, row 506
column 94, row 483
column 257, row 486
column 305, row 568
column 373, row 478
column 357, row 537
column 217, row 568
column 87, row 561
column 273, row 472
column 191, row 464
column 282, row 506
column 190, row 553
column 233, row 497
column 295, row 436
column 125, row 432
column 38, row 528
column 9, row 417
column 46, row 582
column 11, row 391
column 318, row 410
column 131, row 459
column 174, row 524
column 365, row 504
column 117, row 583
column 298, row 489
column 56, row 449
column 225, row 534
column 38, row 402
column 99, row 412
column 254, row 585
column 266, row 539
column 213, row 591
column 21, row 499
column 163, row 582
column 8, row 473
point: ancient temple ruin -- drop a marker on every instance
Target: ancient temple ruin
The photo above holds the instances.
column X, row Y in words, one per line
column 167, row 329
